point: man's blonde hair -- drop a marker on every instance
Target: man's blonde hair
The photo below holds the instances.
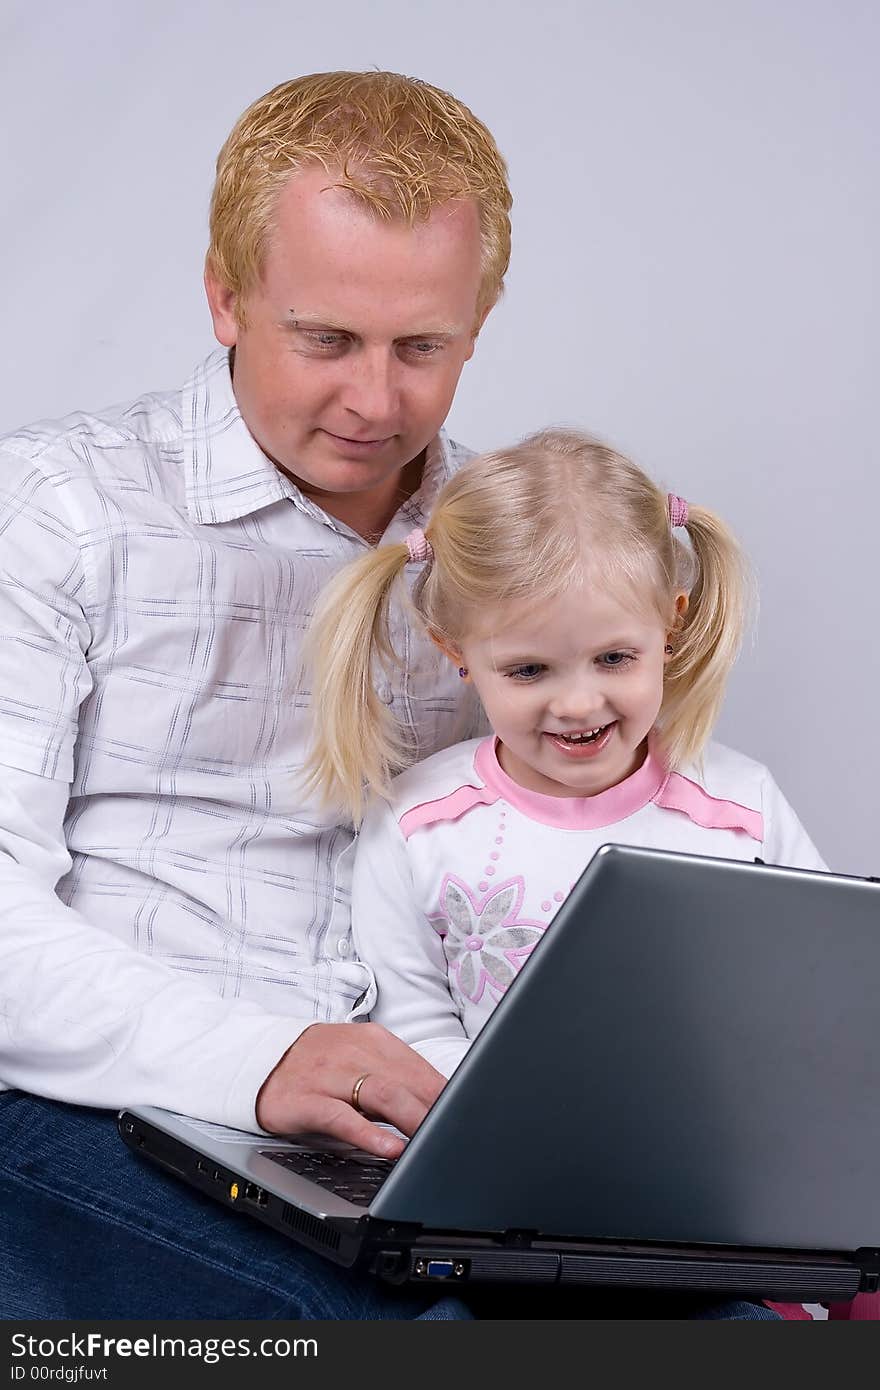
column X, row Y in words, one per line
column 397, row 143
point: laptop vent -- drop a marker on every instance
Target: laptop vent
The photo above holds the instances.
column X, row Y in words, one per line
column 309, row 1226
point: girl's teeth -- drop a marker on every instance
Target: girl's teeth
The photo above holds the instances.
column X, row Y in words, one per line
column 583, row 738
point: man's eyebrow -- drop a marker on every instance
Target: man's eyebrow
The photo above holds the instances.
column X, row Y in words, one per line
column 295, row 320
column 441, row 330
column 325, row 322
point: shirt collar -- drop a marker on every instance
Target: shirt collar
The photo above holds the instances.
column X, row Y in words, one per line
column 576, row 812
column 228, row 476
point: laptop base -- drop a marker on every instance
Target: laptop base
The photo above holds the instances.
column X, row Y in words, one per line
column 787, row 1276
column 402, row 1254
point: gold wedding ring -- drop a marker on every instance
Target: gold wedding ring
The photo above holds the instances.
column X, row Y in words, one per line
column 356, row 1092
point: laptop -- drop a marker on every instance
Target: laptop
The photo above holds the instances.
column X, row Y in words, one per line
column 680, row 1091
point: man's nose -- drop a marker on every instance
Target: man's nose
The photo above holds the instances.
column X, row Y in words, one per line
column 371, row 389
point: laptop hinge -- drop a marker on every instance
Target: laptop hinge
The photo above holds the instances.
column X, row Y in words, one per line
column 518, row 1238
column 393, row 1264
column 868, row 1260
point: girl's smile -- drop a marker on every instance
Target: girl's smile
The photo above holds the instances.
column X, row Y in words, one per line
column 588, row 743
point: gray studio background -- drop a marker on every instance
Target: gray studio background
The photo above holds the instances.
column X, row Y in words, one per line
column 694, row 273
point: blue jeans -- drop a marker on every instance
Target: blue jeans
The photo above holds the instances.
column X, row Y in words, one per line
column 89, row 1230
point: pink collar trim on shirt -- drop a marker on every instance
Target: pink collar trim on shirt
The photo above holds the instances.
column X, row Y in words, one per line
column 680, row 793
column 574, row 812
column 650, row 783
column 445, row 808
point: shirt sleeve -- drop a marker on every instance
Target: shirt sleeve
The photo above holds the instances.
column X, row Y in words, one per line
column 84, row 1017
column 44, row 633
column 786, row 842
column 394, row 938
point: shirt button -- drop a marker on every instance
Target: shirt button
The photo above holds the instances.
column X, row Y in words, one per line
column 343, row 946
column 386, row 694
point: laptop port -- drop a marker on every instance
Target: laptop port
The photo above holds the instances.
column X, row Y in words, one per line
column 255, row 1194
column 440, row 1269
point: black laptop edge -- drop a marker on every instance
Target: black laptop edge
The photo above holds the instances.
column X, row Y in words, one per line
column 409, row 1253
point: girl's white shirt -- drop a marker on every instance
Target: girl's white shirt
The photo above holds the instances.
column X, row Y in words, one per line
column 457, row 878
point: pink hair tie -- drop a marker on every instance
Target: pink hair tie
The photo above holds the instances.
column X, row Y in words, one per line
column 419, row 547
column 677, row 508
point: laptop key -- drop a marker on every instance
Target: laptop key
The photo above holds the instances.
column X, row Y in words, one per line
column 358, row 1181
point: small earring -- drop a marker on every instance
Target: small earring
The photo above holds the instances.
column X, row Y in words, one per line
column 462, row 671
column 669, row 649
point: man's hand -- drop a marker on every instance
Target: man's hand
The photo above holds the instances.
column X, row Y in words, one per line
column 310, row 1090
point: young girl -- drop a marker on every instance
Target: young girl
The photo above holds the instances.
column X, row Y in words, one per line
column 553, row 576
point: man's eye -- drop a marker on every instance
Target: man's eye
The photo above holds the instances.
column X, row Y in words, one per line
column 419, row 348
column 325, row 342
column 529, row 672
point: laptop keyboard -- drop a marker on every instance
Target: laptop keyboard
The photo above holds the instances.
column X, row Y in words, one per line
column 357, row 1179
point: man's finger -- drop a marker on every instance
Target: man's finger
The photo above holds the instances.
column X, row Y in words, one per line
column 335, row 1056
column 381, row 1099
column 331, row 1117
column 325, row 1065
column 397, row 1061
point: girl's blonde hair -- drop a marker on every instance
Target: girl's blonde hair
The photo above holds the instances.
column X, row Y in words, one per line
column 517, row 527
column 398, row 144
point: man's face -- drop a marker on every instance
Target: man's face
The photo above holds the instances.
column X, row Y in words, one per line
column 355, row 337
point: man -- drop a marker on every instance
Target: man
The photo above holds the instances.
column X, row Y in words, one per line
column 174, row 911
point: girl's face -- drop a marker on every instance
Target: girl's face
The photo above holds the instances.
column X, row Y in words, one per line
column 572, row 687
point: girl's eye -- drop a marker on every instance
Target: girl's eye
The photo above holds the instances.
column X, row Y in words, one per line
column 529, row 672
column 615, row 661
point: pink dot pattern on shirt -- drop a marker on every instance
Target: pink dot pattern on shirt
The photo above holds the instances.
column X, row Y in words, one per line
column 488, row 869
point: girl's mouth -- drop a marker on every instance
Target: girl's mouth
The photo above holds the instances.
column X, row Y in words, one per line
column 586, row 743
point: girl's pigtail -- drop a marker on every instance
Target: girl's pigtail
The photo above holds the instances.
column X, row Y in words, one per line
column 705, row 640
column 357, row 746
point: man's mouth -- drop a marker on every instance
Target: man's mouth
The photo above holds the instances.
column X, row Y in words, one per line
column 366, row 444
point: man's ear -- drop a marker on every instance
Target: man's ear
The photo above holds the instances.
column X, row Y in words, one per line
column 478, row 328
column 223, row 303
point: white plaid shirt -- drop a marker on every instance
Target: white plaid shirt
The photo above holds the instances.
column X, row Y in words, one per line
column 173, row 912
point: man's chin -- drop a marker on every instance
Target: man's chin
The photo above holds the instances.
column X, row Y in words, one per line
column 327, row 475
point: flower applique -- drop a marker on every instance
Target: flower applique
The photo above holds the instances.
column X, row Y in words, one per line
column 484, row 941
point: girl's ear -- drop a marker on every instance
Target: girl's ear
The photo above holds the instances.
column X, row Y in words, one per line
column 445, row 647
column 681, row 607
